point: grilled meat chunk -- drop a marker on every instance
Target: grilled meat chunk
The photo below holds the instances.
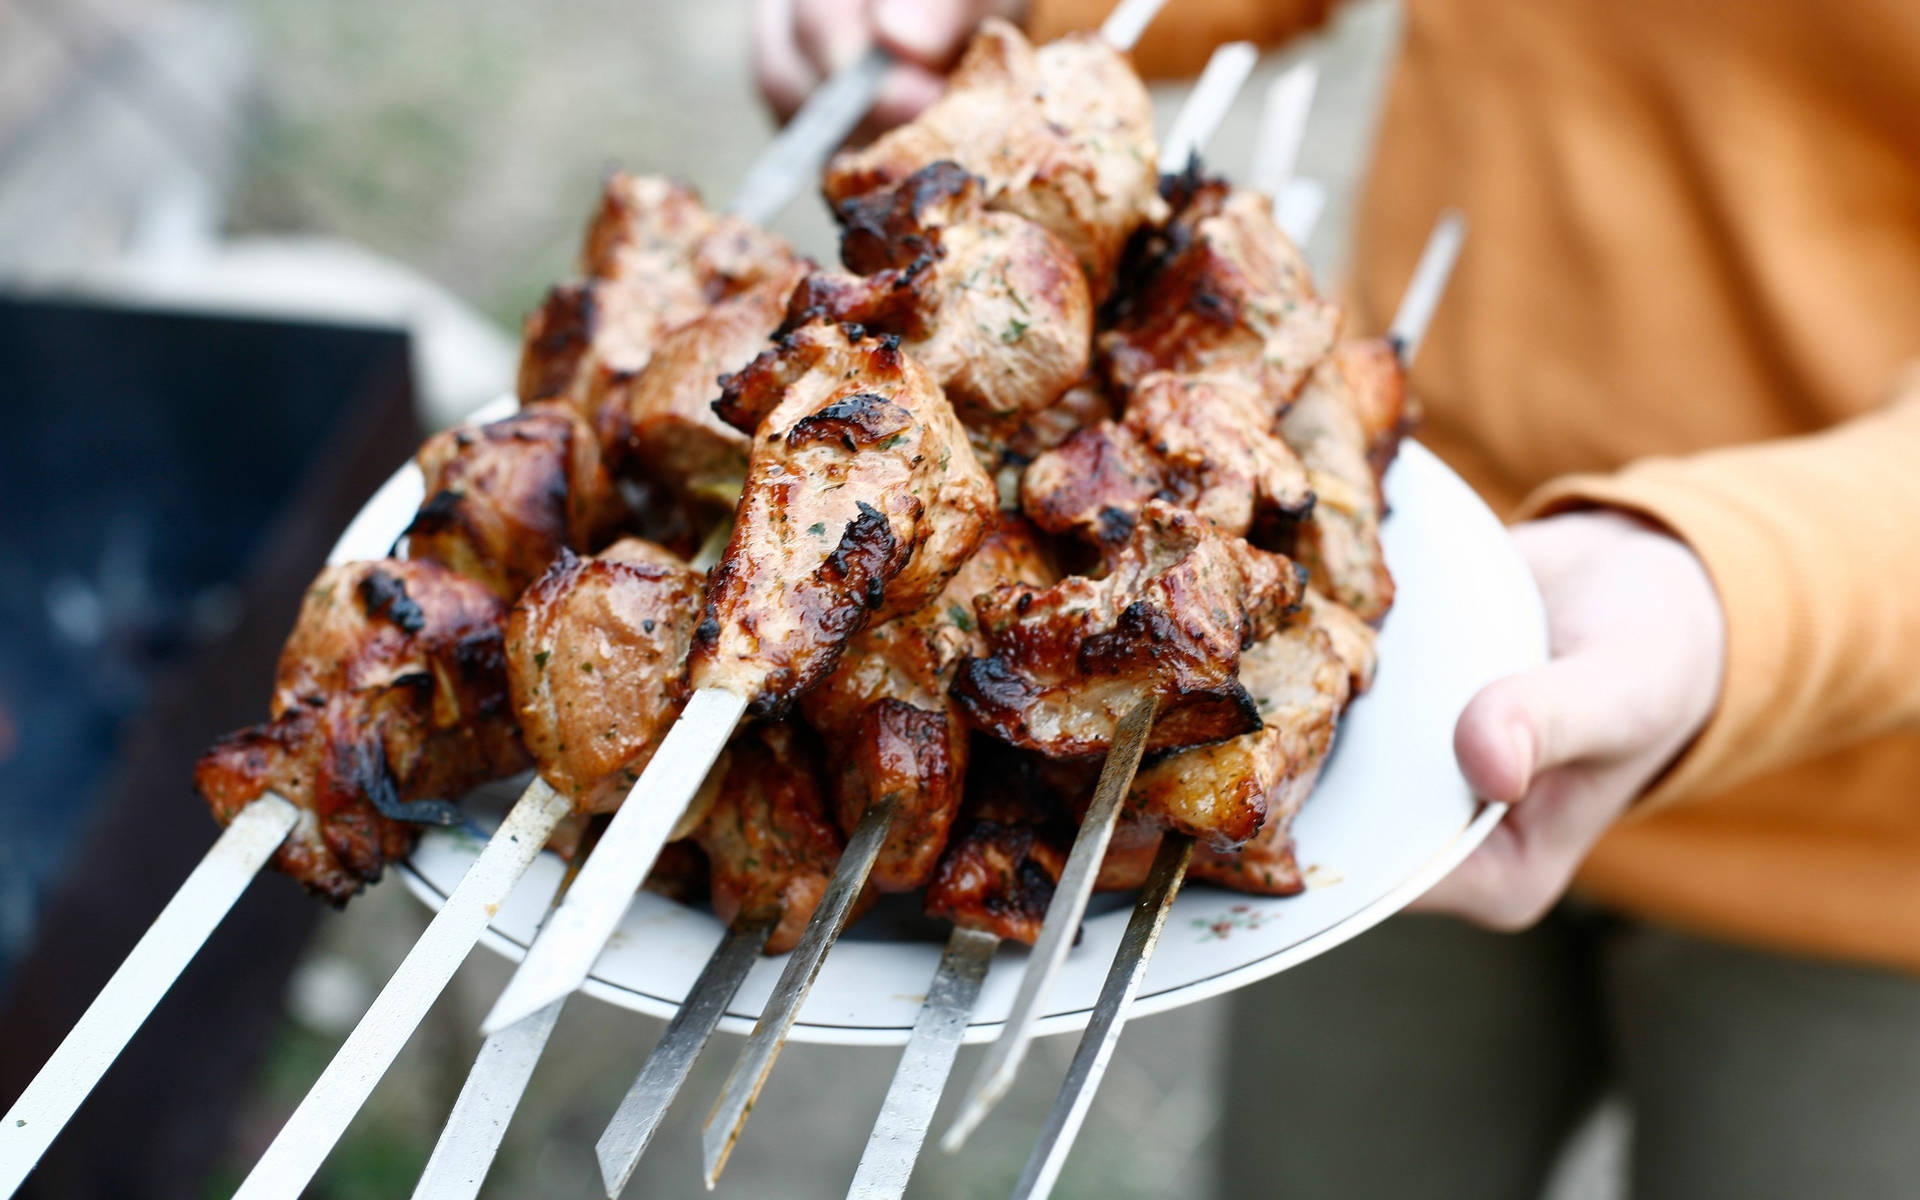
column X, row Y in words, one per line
column 655, row 258
column 1202, row 442
column 1168, row 619
column 1224, row 292
column 1007, row 850
column 888, row 713
column 391, row 692
column 770, row 845
column 664, row 415
column 862, row 499
column 596, row 653
column 991, row 304
column 505, row 498
column 1239, row 797
column 1062, row 135
column 1347, row 426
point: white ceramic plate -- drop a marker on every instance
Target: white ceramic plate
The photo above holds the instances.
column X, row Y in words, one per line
column 1390, row 817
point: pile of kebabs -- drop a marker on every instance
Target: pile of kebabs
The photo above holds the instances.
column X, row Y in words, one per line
column 1063, row 434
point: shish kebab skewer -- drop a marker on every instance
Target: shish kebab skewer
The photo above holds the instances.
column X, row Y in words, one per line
column 323, row 1115
column 1202, row 113
column 886, row 1165
column 1176, row 849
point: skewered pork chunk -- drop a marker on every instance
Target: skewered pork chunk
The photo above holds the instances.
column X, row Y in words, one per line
column 391, row 692
column 1199, row 441
column 1239, row 797
column 1062, row 135
column 663, row 416
column 505, row 498
column 999, row 869
column 887, row 711
column 596, row 655
column 1168, row 619
column 655, row 258
column 1223, row 291
column 862, row 499
column 1347, row 427
column 770, row 845
column 991, row 304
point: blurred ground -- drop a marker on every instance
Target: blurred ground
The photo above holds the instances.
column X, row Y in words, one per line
column 463, row 139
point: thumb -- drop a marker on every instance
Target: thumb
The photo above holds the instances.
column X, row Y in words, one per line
column 1573, row 709
column 926, row 32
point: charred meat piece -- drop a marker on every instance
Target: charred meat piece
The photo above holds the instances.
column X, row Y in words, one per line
column 390, row 693
column 1346, row 427
column 771, row 846
column 1202, row 442
column 887, row 711
column 655, row 258
column 862, row 499
column 1168, row 619
column 1062, row 135
column 505, row 498
column 596, row 652
column 1223, row 291
column 664, row 416
column 991, row 304
column 1239, row 797
column 1007, row 850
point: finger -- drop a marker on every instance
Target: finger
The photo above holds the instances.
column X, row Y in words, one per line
column 1577, row 708
column 831, row 33
column 927, row 32
column 904, row 92
column 785, row 77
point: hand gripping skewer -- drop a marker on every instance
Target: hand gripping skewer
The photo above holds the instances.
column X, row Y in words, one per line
column 1211, row 98
column 471, row 1136
column 1102, row 1034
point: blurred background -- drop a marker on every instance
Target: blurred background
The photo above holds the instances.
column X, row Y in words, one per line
column 249, row 250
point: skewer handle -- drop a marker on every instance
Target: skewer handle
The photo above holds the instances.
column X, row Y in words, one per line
column 309, row 1135
column 1109, row 1017
column 749, row 1075
column 1061, row 924
column 822, row 123
column 887, row 1163
column 163, row 951
column 560, row 957
column 633, row 1125
column 1428, row 284
column 1207, row 104
column 471, row 1138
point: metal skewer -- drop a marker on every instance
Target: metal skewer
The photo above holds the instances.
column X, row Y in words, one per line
column 138, row 984
column 471, row 1137
column 628, row 1134
column 1207, row 104
column 743, row 1086
column 1130, row 961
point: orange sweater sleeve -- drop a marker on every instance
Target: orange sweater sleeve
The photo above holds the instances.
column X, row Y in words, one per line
column 1178, row 41
column 1814, row 545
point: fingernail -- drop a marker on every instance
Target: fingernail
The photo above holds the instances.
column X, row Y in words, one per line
column 915, row 26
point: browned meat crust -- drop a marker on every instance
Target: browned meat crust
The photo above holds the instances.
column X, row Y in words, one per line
column 505, row 498
column 770, row 845
column 1168, row 619
column 862, row 498
column 1007, row 849
column 887, row 710
column 596, row 653
column 1223, row 290
column 1062, row 136
column 391, row 691
column 1347, row 426
column 993, row 305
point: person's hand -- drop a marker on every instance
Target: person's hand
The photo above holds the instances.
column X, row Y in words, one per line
column 1638, row 646
column 797, row 44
